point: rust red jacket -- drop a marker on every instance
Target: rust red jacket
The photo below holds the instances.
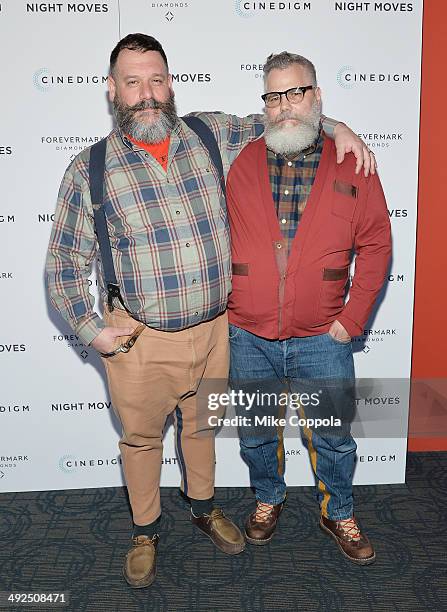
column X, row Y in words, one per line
column 277, row 297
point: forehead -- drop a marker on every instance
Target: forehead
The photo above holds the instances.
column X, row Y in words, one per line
column 292, row 76
column 136, row 62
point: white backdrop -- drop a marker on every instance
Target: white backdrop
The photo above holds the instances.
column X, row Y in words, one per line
column 57, row 426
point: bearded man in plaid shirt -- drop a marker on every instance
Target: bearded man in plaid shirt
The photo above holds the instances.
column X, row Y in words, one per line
column 166, row 218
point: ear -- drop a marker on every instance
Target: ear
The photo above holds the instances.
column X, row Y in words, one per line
column 170, row 83
column 318, row 94
column 112, row 87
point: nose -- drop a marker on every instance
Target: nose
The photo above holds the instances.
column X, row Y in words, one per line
column 146, row 91
column 284, row 103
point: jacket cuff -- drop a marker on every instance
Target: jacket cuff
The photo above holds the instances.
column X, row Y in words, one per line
column 89, row 328
column 351, row 327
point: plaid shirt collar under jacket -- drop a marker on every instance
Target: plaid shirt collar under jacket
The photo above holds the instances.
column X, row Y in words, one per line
column 168, row 230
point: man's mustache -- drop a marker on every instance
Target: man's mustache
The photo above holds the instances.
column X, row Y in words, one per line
column 146, row 104
column 287, row 115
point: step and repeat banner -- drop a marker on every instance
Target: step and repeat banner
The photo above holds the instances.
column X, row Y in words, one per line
column 57, row 426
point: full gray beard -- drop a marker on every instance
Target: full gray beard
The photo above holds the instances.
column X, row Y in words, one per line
column 291, row 140
column 151, row 133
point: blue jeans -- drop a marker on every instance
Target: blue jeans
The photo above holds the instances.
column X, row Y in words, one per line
column 322, row 368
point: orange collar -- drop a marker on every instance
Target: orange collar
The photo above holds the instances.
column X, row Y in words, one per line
column 158, row 150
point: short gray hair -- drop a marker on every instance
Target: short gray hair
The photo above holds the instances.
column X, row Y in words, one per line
column 281, row 61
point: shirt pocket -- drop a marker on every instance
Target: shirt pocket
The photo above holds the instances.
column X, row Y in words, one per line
column 134, row 208
column 204, row 193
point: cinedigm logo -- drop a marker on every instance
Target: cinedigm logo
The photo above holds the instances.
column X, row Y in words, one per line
column 241, row 11
column 341, row 77
column 63, row 461
column 38, row 80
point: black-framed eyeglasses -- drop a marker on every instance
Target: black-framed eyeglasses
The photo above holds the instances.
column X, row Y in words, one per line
column 126, row 346
column 294, row 95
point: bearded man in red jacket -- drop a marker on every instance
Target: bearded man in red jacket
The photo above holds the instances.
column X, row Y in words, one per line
column 296, row 218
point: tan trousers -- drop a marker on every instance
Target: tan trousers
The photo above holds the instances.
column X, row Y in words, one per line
column 167, row 372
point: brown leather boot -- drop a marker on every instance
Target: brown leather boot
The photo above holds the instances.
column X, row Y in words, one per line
column 221, row 531
column 351, row 541
column 140, row 565
column 261, row 524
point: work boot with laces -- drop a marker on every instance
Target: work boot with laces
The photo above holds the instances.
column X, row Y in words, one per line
column 261, row 524
column 351, row 541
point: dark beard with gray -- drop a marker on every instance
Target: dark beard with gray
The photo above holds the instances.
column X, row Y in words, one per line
column 150, row 133
column 291, row 140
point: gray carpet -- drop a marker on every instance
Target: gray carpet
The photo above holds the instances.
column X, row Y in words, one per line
column 75, row 541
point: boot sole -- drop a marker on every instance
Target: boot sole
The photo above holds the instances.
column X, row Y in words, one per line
column 256, row 542
column 142, row 585
column 366, row 561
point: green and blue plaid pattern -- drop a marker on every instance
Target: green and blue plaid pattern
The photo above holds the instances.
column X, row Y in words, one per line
column 168, row 230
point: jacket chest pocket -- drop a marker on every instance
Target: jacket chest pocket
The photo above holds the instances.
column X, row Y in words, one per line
column 344, row 200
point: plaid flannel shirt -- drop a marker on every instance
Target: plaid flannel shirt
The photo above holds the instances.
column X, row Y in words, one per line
column 168, row 230
column 291, row 181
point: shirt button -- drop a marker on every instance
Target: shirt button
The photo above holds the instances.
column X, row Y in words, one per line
column 146, row 155
column 194, row 281
column 196, row 314
column 286, row 192
column 278, row 245
column 283, row 220
column 187, row 244
column 289, row 163
column 177, row 212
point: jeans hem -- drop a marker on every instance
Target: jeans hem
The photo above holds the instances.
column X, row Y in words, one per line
column 273, row 502
column 341, row 516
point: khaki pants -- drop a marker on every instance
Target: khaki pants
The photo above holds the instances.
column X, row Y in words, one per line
column 167, row 372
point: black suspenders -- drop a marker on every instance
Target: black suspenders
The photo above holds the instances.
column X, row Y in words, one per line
column 96, row 178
